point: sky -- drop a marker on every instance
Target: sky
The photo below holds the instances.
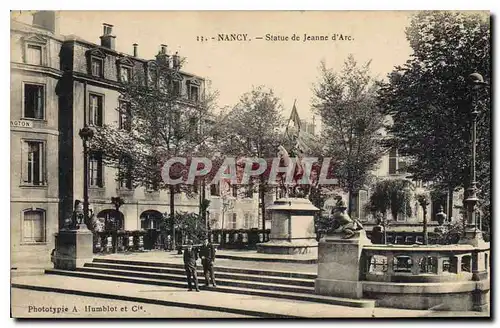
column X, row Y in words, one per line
column 288, row 67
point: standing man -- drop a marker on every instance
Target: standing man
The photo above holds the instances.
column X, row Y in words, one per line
column 207, row 253
column 190, row 258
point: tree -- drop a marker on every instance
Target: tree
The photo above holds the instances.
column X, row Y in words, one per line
column 189, row 225
column 392, row 195
column 351, row 122
column 253, row 129
column 430, row 101
column 158, row 122
column 424, row 201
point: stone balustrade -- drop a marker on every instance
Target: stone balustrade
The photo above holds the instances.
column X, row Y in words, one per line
column 429, row 263
column 444, row 277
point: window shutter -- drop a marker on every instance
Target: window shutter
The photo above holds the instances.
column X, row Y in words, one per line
column 28, row 233
column 39, row 103
column 38, row 227
column 24, row 161
column 99, row 170
column 42, row 176
column 99, row 111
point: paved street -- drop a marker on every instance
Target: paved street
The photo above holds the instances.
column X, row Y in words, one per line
column 161, row 301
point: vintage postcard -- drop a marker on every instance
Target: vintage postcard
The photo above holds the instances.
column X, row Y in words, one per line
column 250, row 164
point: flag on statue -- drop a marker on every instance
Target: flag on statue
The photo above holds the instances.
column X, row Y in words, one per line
column 295, row 119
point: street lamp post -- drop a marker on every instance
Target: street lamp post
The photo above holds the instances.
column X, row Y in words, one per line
column 472, row 233
column 86, row 134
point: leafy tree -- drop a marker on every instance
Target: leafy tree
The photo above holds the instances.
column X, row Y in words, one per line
column 392, row 195
column 430, row 100
column 351, row 122
column 450, row 233
column 158, row 122
column 189, row 225
column 254, row 129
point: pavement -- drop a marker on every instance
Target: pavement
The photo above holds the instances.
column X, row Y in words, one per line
column 168, row 302
column 76, row 306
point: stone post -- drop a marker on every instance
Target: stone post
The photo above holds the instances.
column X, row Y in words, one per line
column 73, row 248
column 339, row 262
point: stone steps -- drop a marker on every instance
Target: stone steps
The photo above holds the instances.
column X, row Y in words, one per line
column 233, row 281
column 217, row 268
column 277, row 258
column 220, row 276
column 293, row 294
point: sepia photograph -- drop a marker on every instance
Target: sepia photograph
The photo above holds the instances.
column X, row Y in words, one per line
column 250, row 164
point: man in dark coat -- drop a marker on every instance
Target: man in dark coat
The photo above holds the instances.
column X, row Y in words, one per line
column 207, row 253
column 190, row 258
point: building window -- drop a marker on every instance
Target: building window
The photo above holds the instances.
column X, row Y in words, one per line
column 95, row 110
column 95, row 170
column 214, row 189
column 33, row 166
column 34, row 101
column 248, row 221
column 97, row 67
column 125, row 118
column 125, row 74
column 234, row 218
column 249, row 191
column 34, row 54
column 402, row 165
column 193, row 93
column 360, row 201
column 215, row 221
column 234, row 190
column 393, row 161
column 34, row 226
column 125, row 173
column 150, row 224
column 176, row 88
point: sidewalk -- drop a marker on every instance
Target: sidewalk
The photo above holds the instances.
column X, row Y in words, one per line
column 22, row 309
column 175, row 298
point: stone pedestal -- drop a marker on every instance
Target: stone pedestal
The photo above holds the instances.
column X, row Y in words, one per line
column 73, row 248
column 472, row 236
column 292, row 228
column 339, row 265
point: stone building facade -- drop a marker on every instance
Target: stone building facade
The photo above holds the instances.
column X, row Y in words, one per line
column 59, row 83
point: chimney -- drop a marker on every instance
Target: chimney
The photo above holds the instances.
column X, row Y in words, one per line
column 175, row 60
column 162, row 56
column 48, row 20
column 107, row 38
column 135, row 49
column 163, row 50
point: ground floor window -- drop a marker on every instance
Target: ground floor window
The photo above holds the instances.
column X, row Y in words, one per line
column 34, row 226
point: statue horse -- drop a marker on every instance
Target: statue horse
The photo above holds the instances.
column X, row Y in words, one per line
column 294, row 169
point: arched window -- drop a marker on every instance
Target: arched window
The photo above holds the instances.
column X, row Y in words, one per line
column 150, row 220
column 33, row 230
column 113, row 219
